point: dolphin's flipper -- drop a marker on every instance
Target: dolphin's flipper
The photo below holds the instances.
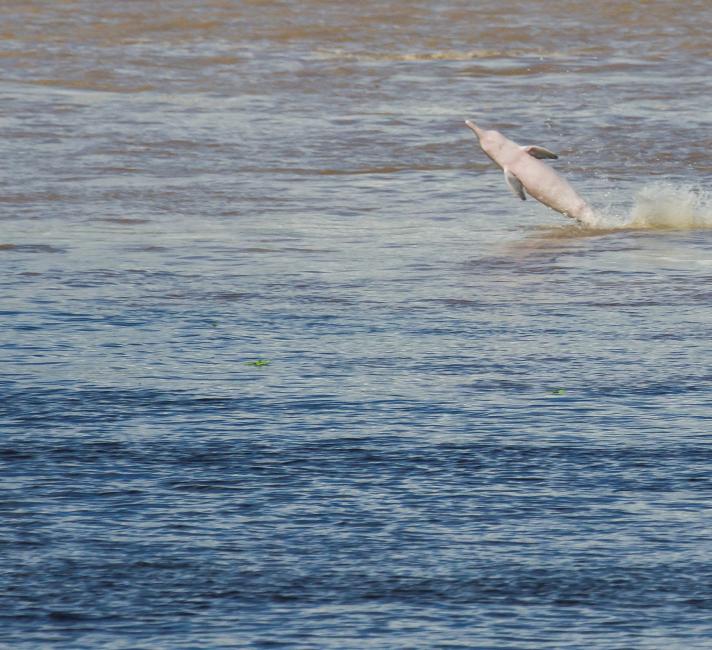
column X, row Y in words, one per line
column 539, row 152
column 515, row 185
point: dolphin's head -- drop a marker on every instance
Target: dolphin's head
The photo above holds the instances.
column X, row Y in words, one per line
column 491, row 142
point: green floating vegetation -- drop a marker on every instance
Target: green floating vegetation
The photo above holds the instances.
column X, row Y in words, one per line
column 259, row 363
column 557, row 391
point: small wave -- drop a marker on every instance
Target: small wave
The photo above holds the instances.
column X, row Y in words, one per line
column 437, row 55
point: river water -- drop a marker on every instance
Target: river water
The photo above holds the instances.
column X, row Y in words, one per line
column 285, row 364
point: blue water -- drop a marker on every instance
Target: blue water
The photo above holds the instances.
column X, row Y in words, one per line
column 284, row 364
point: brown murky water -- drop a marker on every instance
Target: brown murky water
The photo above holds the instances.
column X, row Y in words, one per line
column 480, row 425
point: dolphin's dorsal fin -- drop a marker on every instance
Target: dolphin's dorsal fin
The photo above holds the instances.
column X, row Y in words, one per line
column 539, row 152
column 515, row 185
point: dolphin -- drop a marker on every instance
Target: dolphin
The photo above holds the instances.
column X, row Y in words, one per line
column 523, row 170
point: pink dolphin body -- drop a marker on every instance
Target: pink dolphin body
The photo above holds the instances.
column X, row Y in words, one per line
column 523, row 170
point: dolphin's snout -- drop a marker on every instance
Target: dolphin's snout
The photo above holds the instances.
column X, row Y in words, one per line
column 473, row 126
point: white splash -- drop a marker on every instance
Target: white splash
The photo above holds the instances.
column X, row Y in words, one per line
column 658, row 206
column 674, row 207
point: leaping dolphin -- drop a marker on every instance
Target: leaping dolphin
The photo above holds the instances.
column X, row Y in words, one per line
column 523, row 170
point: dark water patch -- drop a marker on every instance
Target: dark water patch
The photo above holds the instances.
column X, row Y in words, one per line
column 60, row 408
column 32, row 198
column 99, row 83
column 230, row 296
column 258, row 249
column 64, row 616
column 99, row 277
column 147, row 248
column 31, row 248
column 681, row 386
column 11, row 454
column 123, row 221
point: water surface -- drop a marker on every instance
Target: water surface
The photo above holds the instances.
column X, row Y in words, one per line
column 479, row 426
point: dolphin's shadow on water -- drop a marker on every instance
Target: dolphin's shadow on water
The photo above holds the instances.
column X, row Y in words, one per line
column 551, row 248
column 575, row 232
column 548, row 241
